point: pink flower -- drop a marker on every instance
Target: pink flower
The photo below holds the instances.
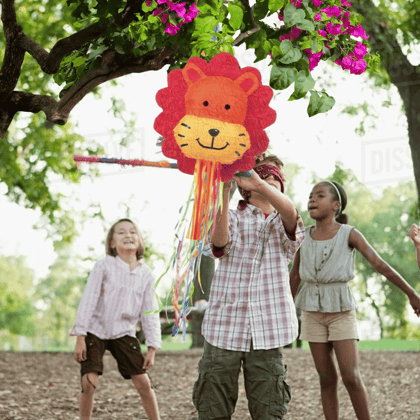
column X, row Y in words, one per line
column 161, row 1
column 178, row 8
column 191, row 14
column 297, row 3
column 338, row 61
column 148, row 3
column 160, row 12
column 358, row 31
column 314, row 59
column 317, row 3
column 322, row 33
column 346, row 63
column 285, row 36
column 280, row 14
column 358, row 67
column 333, row 29
column 332, row 11
column 295, row 32
column 345, row 3
column 360, row 50
column 318, row 17
column 172, row 29
column 345, row 20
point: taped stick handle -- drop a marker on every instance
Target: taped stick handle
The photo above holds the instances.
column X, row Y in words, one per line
column 244, row 174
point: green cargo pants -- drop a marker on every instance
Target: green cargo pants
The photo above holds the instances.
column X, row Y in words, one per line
column 216, row 390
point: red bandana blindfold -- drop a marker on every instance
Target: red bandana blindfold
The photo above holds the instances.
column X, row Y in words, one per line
column 264, row 171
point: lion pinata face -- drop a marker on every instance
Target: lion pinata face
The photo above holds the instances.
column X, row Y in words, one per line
column 216, row 112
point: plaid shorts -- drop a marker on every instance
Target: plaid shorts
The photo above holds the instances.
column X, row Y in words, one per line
column 216, row 390
column 126, row 351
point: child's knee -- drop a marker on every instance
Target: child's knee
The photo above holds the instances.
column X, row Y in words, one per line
column 328, row 379
column 352, row 380
column 142, row 383
column 89, row 383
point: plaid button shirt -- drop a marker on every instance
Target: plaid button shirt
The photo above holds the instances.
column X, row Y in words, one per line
column 250, row 295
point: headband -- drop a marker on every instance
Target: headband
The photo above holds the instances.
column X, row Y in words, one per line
column 264, row 171
column 338, row 194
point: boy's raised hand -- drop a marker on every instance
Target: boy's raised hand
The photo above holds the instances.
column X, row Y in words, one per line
column 414, row 234
column 251, row 183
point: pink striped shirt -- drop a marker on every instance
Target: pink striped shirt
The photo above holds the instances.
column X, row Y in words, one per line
column 250, row 296
column 115, row 298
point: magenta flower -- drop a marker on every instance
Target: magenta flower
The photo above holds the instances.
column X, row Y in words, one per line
column 148, row 3
column 318, row 17
column 338, row 61
column 314, row 59
column 345, row 3
column 160, row 12
column 295, row 32
column 161, row 1
column 322, row 33
column 358, row 32
column 345, row 20
column 317, row 3
column 360, row 50
column 346, row 63
column 285, row 36
column 297, row 3
column 192, row 13
column 280, row 14
column 178, row 8
column 332, row 11
column 172, row 29
column 358, row 67
column 333, row 29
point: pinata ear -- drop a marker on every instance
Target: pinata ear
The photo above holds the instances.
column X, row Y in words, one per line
column 248, row 82
column 192, row 73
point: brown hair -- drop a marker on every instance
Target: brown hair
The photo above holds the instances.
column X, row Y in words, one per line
column 340, row 217
column 263, row 158
column 112, row 251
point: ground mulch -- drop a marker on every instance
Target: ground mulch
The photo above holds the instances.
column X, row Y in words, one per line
column 46, row 386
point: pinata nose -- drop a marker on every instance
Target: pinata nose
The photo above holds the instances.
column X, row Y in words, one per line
column 214, row 132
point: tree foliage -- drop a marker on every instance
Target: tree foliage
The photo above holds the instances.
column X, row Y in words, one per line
column 16, row 283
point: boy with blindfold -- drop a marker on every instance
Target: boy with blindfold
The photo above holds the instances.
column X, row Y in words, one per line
column 251, row 313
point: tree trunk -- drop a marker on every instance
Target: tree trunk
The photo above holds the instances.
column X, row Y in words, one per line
column 402, row 73
column 206, row 276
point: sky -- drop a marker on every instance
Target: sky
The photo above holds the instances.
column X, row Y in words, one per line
column 154, row 196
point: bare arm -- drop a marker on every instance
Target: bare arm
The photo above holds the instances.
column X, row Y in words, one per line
column 414, row 234
column 294, row 275
column 276, row 198
column 358, row 241
column 220, row 235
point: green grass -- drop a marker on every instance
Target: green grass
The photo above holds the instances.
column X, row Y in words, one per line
column 384, row 344
column 390, row 344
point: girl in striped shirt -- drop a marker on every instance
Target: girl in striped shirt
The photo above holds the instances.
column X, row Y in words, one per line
column 119, row 291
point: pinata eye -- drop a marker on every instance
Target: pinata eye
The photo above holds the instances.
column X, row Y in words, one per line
column 227, row 106
column 205, row 103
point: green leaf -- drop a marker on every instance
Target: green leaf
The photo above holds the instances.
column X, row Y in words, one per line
column 275, row 5
column 260, row 9
column 275, row 51
column 293, row 16
column 306, row 44
column 303, row 84
column 79, row 61
column 282, row 77
column 306, row 25
column 289, row 53
column 236, row 16
column 319, row 104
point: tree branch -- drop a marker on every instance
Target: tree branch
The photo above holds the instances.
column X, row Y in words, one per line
column 246, row 34
column 113, row 65
column 50, row 62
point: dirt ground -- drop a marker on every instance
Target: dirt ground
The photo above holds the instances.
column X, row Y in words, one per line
column 41, row 386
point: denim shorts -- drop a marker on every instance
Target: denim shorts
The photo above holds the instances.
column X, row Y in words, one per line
column 216, row 390
column 126, row 351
